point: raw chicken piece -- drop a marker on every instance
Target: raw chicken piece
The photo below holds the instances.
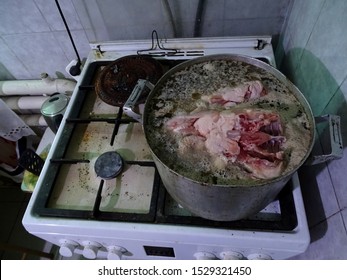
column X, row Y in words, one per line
column 183, row 124
column 251, row 138
column 260, row 168
column 262, row 145
column 230, row 96
column 255, row 120
column 206, row 122
column 218, row 144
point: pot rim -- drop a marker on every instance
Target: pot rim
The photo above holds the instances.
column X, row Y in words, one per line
column 257, row 63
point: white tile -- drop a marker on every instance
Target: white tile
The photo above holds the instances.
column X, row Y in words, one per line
column 337, row 168
column 328, row 241
column 318, row 193
column 39, row 52
column 5, row 75
column 253, row 26
column 236, row 9
column 138, row 17
column 21, row 16
column 212, row 28
column 12, row 63
column 330, row 31
column 344, row 217
column 50, row 12
column 80, row 40
column 315, row 81
column 183, row 10
column 302, row 19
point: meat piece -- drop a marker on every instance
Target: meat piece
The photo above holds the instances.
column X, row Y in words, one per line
column 227, row 123
column 183, row 124
column 274, row 128
column 218, row 144
column 207, row 122
column 255, row 120
column 230, row 96
column 251, row 138
column 260, row 168
column 262, row 145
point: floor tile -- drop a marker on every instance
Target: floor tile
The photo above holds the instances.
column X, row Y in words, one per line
column 318, row 193
column 344, row 217
column 329, row 241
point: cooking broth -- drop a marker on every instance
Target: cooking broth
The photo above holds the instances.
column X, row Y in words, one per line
column 182, row 93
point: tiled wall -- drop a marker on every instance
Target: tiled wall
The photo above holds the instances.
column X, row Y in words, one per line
column 132, row 19
column 313, row 54
column 33, row 37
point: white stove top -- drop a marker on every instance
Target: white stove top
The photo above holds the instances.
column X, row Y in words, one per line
column 76, row 188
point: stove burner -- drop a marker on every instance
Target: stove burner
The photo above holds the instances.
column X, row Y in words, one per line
column 117, row 80
column 108, row 165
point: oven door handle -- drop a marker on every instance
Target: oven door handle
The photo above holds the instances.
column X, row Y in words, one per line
column 130, row 104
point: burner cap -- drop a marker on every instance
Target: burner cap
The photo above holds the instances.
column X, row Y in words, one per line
column 108, row 165
column 118, row 79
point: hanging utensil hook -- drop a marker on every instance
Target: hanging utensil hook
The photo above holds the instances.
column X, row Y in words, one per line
column 156, row 45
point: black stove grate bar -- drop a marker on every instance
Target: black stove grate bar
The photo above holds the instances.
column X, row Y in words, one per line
column 86, row 87
column 287, row 222
column 68, row 161
column 141, row 163
column 117, row 123
column 96, row 208
column 74, row 120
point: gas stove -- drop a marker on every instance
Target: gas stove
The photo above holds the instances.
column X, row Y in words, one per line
column 130, row 215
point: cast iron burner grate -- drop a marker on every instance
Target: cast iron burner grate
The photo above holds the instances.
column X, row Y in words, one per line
column 157, row 213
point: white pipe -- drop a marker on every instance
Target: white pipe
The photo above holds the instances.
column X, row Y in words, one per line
column 33, row 120
column 45, row 86
column 25, row 104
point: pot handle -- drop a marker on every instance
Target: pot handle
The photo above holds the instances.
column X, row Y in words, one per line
column 134, row 96
column 335, row 140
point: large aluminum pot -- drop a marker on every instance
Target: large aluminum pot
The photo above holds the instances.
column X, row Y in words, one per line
column 206, row 199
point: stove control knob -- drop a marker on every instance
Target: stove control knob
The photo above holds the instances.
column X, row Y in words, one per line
column 115, row 252
column 231, row 255
column 91, row 249
column 204, row 256
column 67, row 247
column 259, row 256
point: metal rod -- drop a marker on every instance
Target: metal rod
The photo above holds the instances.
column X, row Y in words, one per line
column 68, row 31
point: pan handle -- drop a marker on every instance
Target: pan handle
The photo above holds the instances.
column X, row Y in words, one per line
column 335, row 140
column 134, row 96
